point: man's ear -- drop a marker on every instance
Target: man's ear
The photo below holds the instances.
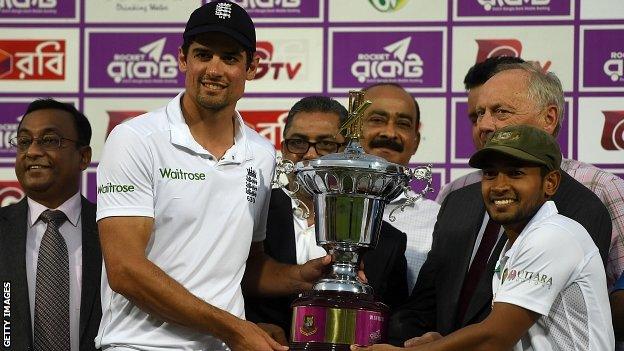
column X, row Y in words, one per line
column 253, row 66
column 551, row 119
column 551, row 183
column 181, row 60
column 85, row 157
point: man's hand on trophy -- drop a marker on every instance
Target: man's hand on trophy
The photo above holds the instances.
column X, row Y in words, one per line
column 311, row 271
column 247, row 336
column 361, row 274
column 274, row 331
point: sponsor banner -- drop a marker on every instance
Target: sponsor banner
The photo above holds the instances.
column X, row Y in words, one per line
column 267, row 116
column 602, row 9
column 602, row 64
column 141, row 60
column 480, row 10
column 140, row 11
column 10, row 189
column 462, row 146
column 105, row 113
column 291, row 61
column 23, row 11
column 33, row 60
column 387, row 10
column 602, row 121
column 533, row 43
column 12, row 110
column 414, row 57
column 300, row 11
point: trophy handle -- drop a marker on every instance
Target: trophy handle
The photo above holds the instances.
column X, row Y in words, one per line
column 417, row 173
column 282, row 169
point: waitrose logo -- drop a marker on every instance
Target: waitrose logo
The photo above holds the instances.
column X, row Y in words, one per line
column 115, row 188
column 181, row 174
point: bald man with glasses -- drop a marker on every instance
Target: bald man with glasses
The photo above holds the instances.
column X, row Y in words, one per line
column 311, row 131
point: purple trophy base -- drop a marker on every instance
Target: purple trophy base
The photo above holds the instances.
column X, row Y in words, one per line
column 334, row 320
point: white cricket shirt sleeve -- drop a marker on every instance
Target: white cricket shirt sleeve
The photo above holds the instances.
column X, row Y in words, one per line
column 540, row 268
column 124, row 176
column 266, row 176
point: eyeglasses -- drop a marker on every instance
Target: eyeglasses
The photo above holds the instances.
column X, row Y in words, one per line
column 46, row 142
column 300, row 146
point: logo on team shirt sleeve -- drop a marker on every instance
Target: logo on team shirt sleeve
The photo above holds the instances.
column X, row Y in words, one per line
column 115, row 188
column 251, row 185
column 523, row 276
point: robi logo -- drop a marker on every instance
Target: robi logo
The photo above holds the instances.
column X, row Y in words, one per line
column 613, row 131
column 503, row 47
column 265, row 51
column 118, row 117
column 10, row 192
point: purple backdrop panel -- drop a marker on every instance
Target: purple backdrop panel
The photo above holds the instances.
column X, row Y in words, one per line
column 520, row 8
column 37, row 9
column 603, row 58
column 464, row 147
column 299, row 9
column 91, row 186
column 134, row 60
column 412, row 59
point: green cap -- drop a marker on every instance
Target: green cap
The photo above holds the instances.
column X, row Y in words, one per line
column 520, row 142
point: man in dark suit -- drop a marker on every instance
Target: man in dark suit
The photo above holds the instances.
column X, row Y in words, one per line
column 454, row 286
column 311, row 131
column 50, row 259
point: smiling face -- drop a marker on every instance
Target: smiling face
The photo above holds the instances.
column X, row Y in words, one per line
column 50, row 176
column 504, row 100
column 513, row 192
column 216, row 70
column 390, row 124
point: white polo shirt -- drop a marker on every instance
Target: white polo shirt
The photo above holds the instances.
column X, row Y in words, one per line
column 554, row 269
column 206, row 214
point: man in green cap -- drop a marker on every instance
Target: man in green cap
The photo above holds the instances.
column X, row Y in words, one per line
column 548, row 285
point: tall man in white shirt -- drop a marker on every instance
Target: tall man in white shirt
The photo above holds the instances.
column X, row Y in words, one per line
column 50, row 260
column 182, row 204
column 391, row 131
column 311, row 131
column 549, row 290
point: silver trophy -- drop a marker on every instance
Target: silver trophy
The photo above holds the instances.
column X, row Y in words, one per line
column 350, row 190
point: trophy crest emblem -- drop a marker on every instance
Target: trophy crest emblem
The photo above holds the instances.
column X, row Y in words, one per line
column 308, row 328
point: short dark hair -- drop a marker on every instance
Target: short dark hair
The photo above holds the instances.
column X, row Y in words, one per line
column 316, row 103
column 188, row 41
column 416, row 107
column 482, row 71
column 81, row 123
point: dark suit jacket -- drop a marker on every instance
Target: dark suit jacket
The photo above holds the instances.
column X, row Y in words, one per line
column 432, row 305
column 13, row 229
column 385, row 267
